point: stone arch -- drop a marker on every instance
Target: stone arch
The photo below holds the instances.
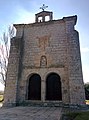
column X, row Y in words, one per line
column 34, row 87
column 53, row 87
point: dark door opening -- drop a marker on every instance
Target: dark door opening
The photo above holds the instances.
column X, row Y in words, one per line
column 53, row 87
column 34, row 87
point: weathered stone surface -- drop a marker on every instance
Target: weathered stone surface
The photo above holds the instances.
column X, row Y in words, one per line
column 44, row 48
column 30, row 113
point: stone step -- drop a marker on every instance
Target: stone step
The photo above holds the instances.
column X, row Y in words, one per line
column 41, row 104
column 52, row 104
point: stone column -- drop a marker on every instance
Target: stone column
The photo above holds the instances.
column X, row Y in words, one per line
column 42, row 90
column 10, row 96
column 43, row 19
column 51, row 16
column 76, row 85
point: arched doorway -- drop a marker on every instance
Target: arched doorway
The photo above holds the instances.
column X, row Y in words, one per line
column 34, row 87
column 53, row 87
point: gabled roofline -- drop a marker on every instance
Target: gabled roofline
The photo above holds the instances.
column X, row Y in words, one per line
column 43, row 12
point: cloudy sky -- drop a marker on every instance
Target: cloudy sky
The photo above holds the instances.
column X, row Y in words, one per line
column 23, row 11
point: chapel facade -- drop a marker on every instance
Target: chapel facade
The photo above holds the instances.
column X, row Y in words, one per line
column 45, row 63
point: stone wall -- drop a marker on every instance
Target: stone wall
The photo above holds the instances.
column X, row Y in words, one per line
column 12, row 74
column 45, row 48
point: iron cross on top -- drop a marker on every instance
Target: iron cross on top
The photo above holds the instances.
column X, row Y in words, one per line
column 43, row 7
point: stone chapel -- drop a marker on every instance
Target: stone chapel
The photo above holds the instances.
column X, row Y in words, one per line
column 45, row 63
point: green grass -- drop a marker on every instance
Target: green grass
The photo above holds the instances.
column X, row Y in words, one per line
column 1, row 98
column 78, row 116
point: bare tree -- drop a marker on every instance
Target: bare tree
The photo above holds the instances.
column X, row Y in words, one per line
column 11, row 31
column 4, row 52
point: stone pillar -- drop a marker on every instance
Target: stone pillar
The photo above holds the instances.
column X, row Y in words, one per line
column 42, row 90
column 43, row 18
column 51, row 16
column 10, row 96
column 36, row 18
column 76, row 85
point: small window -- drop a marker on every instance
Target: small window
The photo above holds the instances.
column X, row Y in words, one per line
column 47, row 18
column 39, row 19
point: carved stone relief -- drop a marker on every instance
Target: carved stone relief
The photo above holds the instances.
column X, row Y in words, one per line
column 43, row 41
column 43, row 61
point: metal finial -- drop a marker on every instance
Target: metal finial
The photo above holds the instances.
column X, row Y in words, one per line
column 43, row 7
